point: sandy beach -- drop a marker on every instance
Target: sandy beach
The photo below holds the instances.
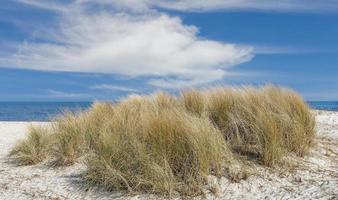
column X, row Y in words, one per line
column 313, row 177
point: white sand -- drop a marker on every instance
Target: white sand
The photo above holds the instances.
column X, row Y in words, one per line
column 316, row 176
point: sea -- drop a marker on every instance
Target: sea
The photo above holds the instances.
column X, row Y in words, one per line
column 47, row 111
column 38, row 111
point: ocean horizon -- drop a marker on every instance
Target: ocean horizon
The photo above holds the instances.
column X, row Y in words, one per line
column 47, row 111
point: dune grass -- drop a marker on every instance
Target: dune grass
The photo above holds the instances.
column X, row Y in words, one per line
column 34, row 148
column 76, row 135
column 264, row 123
column 170, row 144
column 194, row 101
column 153, row 147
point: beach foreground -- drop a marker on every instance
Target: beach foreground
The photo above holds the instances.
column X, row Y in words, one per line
column 313, row 177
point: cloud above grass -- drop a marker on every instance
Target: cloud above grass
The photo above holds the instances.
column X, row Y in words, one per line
column 212, row 5
column 110, row 87
column 126, row 43
column 280, row 5
column 60, row 94
column 133, row 38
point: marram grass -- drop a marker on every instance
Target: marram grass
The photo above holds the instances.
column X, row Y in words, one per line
column 167, row 144
column 150, row 146
column 34, row 148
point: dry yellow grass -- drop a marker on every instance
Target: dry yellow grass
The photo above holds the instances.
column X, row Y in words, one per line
column 194, row 101
column 264, row 123
column 294, row 113
column 167, row 144
column 34, row 148
column 76, row 135
column 248, row 125
column 154, row 147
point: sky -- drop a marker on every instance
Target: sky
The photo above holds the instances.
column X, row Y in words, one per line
column 84, row 50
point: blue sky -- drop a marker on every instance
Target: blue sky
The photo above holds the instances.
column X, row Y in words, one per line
column 90, row 50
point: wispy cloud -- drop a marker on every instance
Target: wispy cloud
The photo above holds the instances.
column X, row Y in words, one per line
column 60, row 94
column 134, row 38
column 212, row 5
column 47, row 5
column 127, row 43
column 194, row 5
column 322, row 95
column 280, row 5
column 114, row 88
column 260, row 49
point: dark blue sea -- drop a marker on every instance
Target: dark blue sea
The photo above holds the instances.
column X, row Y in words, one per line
column 38, row 111
column 46, row 111
column 324, row 105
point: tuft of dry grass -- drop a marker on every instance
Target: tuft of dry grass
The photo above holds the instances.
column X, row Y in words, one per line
column 252, row 129
column 167, row 144
column 33, row 149
column 76, row 135
column 69, row 143
column 219, row 103
column 153, row 147
column 298, row 122
column 263, row 124
column 193, row 101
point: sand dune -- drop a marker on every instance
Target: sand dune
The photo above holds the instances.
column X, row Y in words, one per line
column 314, row 177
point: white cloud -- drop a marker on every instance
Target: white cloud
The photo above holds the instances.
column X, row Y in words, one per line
column 114, row 88
column 50, row 5
column 59, row 94
column 211, row 5
column 259, row 49
column 195, row 5
column 280, row 5
column 129, row 44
